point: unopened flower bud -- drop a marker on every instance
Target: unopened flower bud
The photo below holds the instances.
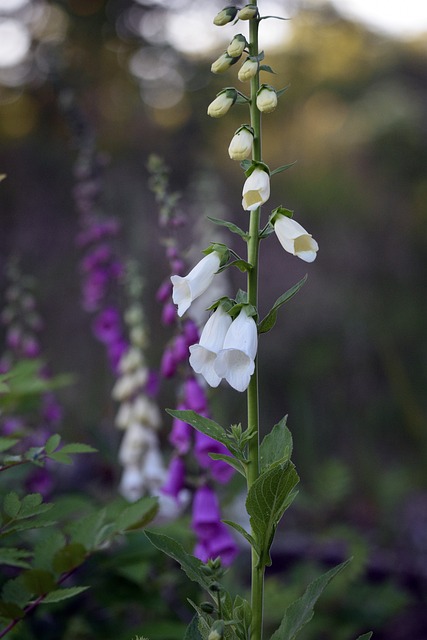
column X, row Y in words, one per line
column 266, row 99
column 223, row 63
column 207, row 607
column 240, row 146
column 225, row 16
column 222, row 103
column 237, row 46
column 217, row 630
column 248, row 12
column 248, row 70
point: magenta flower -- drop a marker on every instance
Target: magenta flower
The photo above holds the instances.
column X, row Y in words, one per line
column 204, row 445
column 206, row 512
column 195, row 397
column 176, row 477
column 181, row 434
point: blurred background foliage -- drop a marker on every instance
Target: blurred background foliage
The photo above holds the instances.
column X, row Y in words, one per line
column 347, row 359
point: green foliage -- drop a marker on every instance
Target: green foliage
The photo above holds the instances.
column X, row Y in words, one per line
column 270, row 319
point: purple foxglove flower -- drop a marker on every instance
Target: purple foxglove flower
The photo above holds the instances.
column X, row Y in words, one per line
column 180, row 348
column 201, row 551
column 204, row 445
column 181, row 434
column 206, row 513
column 168, row 314
column 168, row 364
column 30, row 347
column 295, row 239
column 106, row 326
column 188, row 288
column 40, row 481
column 256, row 190
column 191, row 332
column 235, row 362
column 164, row 291
column 203, row 355
column 222, row 544
column 195, row 397
column 176, row 476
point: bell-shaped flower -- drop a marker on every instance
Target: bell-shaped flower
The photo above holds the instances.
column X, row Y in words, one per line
column 223, row 63
column 204, row 445
column 203, row 355
column 225, row 16
column 248, row 12
column 222, row 103
column 295, row 239
column 235, row 362
column 237, row 46
column 132, row 483
column 206, row 512
column 256, row 189
column 248, row 70
column 240, row 146
column 195, row 396
column 176, row 477
column 188, row 288
column 266, row 99
column 181, row 434
column 135, row 442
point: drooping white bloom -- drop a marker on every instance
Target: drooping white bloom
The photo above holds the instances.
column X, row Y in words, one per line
column 235, row 362
column 223, row 63
column 132, row 483
column 295, row 239
column 222, row 104
column 135, row 442
column 188, row 288
column 266, row 99
column 256, row 190
column 203, row 355
column 248, row 70
column 240, row 146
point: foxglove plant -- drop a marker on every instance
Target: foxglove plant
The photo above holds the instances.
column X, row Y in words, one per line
column 228, row 350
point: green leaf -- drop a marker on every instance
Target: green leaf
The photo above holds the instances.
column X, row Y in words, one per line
column 206, row 426
column 192, row 632
column 280, row 92
column 137, row 515
column 62, row 594
column 301, row 611
column 69, row 557
column 33, row 505
column 86, row 530
column 270, row 319
column 268, row 498
column 38, row 581
column 77, row 447
column 52, row 443
column 231, row 226
column 45, row 549
column 276, row 447
column 60, row 457
column 15, row 591
column 244, row 533
column 14, row 557
column 11, row 611
column 233, row 462
column 266, row 67
column 190, row 565
column 366, row 636
column 284, row 167
column 242, row 265
column 243, row 613
column 7, row 443
column 11, row 504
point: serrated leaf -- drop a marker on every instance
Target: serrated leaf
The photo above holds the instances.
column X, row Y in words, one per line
column 206, row 426
column 137, row 515
column 7, row 443
column 10, row 611
column 268, row 498
column 14, row 557
column 86, row 530
column 243, row 613
column 60, row 457
column 52, row 443
column 233, row 462
column 244, row 533
column 77, row 447
column 230, row 226
column 192, row 632
column 57, row 595
column 33, row 505
column 301, row 611
column 38, row 581
column 284, row 167
column 270, row 319
column 276, row 447
column 46, row 548
column 11, row 504
column 15, row 591
column 190, row 565
column 69, row 557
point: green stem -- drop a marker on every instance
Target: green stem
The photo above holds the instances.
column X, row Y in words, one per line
column 257, row 575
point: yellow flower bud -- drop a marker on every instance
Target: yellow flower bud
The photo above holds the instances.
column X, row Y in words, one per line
column 225, row 16
column 248, row 70
column 241, row 145
column 222, row 104
column 248, row 12
column 266, row 99
column 223, row 63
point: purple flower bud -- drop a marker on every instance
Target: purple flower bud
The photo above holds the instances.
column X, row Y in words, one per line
column 222, row 544
column 177, row 266
column 176, row 477
column 169, row 314
column 14, row 337
column 164, row 292
column 181, row 434
column 106, row 326
column 180, row 349
column 206, row 513
column 204, row 445
column 152, row 384
column 39, row 481
column 168, row 364
column 191, row 332
column 30, row 347
column 195, row 397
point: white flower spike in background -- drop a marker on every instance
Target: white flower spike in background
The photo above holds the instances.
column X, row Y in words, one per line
column 188, row 288
column 235, row 362
column 203, row 355
column 295, row 239
column 256, row 190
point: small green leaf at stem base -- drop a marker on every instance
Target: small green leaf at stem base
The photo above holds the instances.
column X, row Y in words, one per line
column 230, row 226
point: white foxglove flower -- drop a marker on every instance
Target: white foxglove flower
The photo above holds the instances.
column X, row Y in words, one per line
column 241, row 144
column 124, row 415
column 266, row 99
column 223, row 63
column 135, row 442
column 222, row 104
column 248, row 12
column 256, row 190
column 237, row 46
column 132, row 483
column 146, row 412
column 225, row 16
column 295, row 239
column 235, row 362
column 203, row 355
column 188, row 288
column 124, row 387
column 130, row 360
column 248, row 70
column 153, row 468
